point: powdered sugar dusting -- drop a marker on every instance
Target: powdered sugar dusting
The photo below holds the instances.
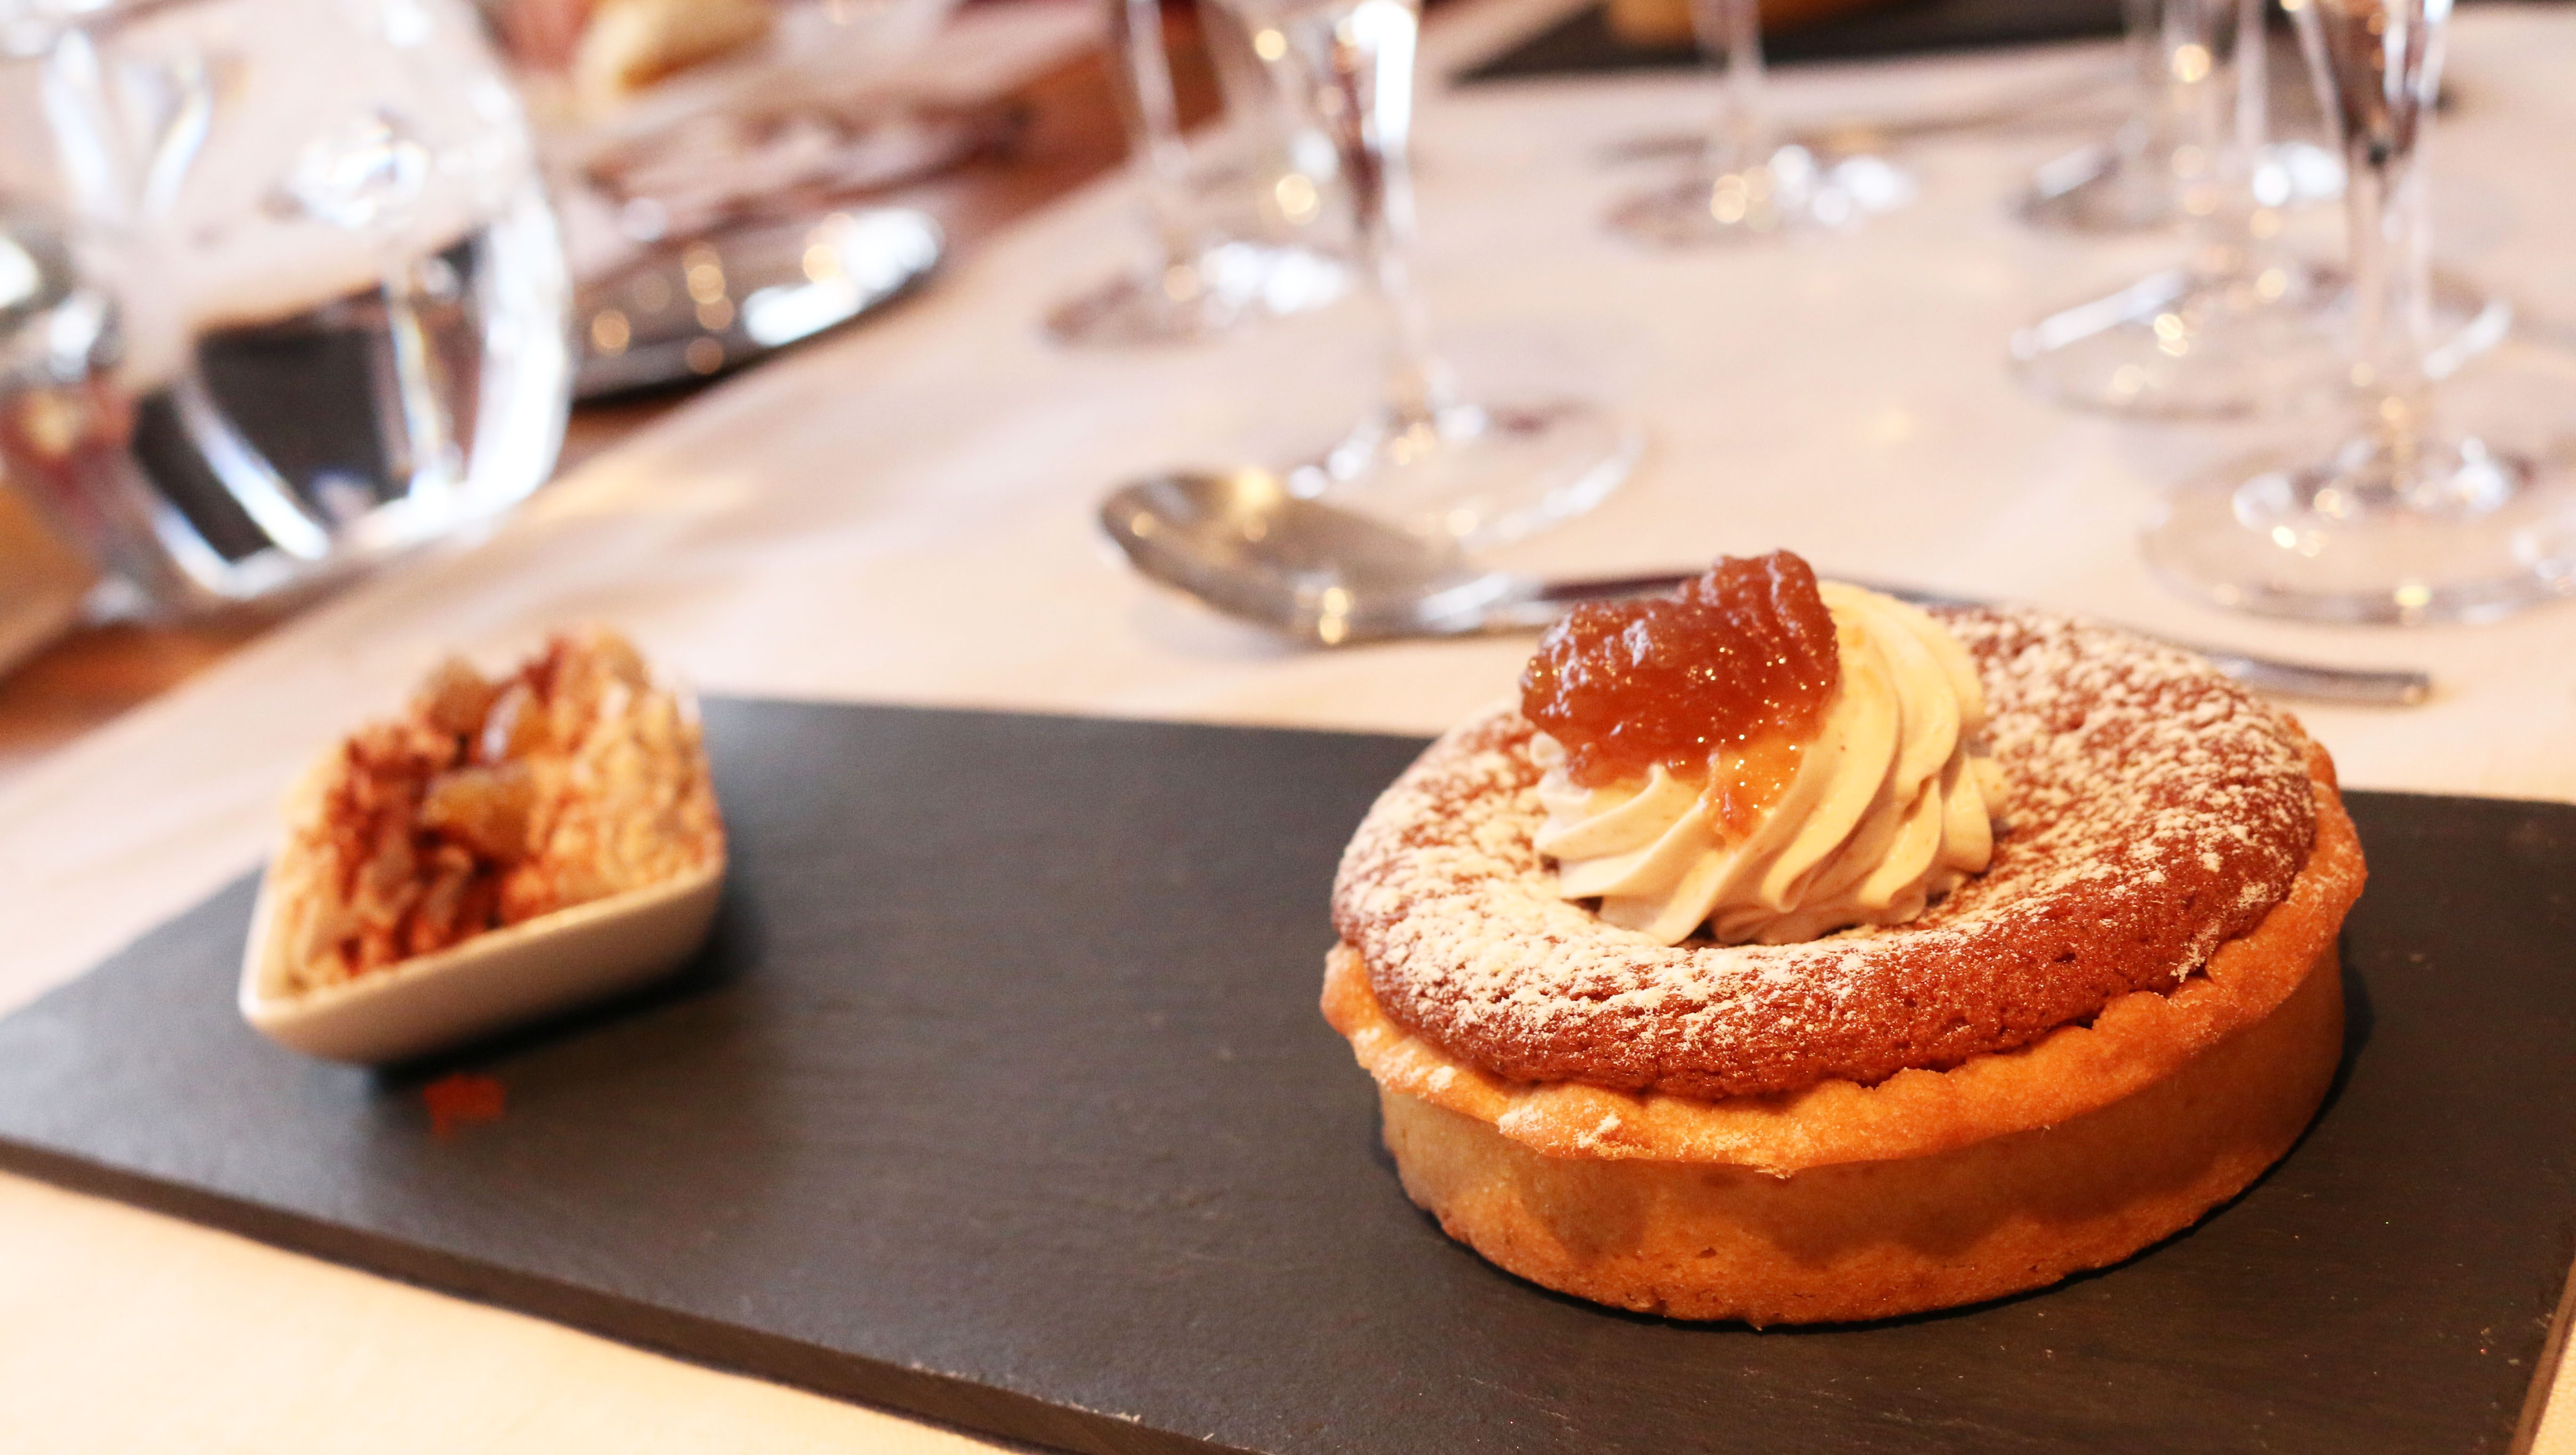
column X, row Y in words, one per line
column 2153, row 810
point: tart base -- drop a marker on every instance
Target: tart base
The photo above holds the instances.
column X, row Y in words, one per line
column 1927, row 1190
column 1868, row 1240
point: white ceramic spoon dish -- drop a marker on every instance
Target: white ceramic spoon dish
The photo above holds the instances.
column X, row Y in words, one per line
column 498, row 979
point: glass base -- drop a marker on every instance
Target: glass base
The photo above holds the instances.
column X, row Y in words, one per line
column 1482, row 475
column 1797, row 189
column 2105, row 188
column 1229, row 286
column 2179, row 345
column 2458, row 531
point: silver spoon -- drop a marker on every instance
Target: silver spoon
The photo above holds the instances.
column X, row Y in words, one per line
column 1244, row 545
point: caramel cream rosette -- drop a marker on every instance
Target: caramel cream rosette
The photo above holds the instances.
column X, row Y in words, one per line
column 1885, row 809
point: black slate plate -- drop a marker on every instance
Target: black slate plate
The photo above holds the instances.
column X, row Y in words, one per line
column 1002, row 1097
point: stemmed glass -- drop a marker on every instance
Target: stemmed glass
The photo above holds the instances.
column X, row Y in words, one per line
column 2240, row 325
column 1745, row 182
column 2406, row 519
column 1428, row 459
column 2144, row 176
column 1194, row 282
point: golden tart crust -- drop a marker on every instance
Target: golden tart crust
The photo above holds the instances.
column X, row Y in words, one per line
column 2153, row 811
column 1929, row 1189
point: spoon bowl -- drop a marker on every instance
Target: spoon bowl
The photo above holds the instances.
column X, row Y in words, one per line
column 1244, row 544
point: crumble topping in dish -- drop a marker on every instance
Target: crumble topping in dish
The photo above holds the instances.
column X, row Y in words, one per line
column 490, row 802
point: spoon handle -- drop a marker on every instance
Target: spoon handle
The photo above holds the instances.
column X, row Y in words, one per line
column 1610, row 588
column 2316, row 682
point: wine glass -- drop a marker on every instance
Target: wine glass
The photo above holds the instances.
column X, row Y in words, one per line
column 1196, row 281
column 1745, row 182
column 1438, row 464
column 2144, row 177
column 2411, row 517
column 2240, row 324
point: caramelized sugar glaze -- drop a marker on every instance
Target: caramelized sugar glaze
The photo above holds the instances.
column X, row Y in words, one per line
column 2154, row 811
column 1740, row 660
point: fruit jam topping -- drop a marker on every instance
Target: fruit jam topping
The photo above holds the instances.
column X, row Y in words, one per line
column 1724, row 680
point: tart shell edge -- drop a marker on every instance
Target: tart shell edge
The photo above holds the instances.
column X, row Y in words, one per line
column 1927, row 1190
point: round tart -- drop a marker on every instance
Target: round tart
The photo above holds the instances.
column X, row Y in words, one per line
column 2129, row 1014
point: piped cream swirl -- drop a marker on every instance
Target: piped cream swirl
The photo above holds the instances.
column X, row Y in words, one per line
column 1886, row 810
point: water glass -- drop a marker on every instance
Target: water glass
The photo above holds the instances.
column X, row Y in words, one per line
column 301, row 304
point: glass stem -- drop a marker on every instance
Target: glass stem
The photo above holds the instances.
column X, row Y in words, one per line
column 1359, row 65
column 2378, row 67
column 2218, row 76
column 2389, row 275
column 1730, row 38
column 2143, row 36
column 2179, row 48
column 2253, row 130
column 1141, row 78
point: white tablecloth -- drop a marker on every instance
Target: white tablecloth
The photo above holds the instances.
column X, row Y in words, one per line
column 905, row 515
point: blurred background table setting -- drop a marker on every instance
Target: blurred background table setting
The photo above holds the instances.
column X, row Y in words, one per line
column 722, row 185
column 813, row 342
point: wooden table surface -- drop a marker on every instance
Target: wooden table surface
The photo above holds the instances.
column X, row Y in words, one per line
column 1072, row 135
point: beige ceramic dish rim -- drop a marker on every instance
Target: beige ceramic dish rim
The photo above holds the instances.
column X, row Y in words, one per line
column 384, row 992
